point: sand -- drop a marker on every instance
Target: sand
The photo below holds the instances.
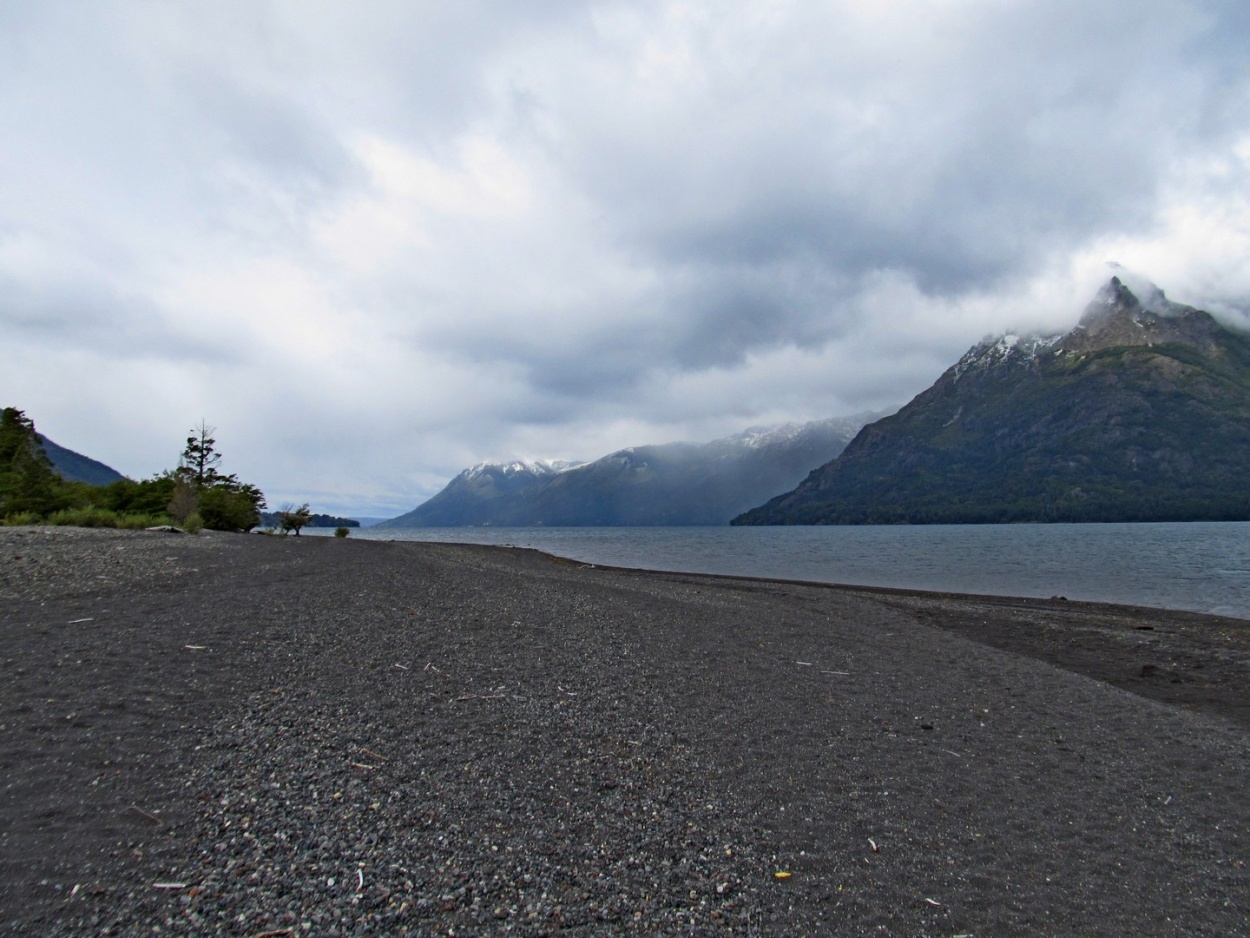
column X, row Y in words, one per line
column 246, row 735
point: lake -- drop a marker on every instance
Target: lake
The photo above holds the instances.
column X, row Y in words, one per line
column 1204, row 567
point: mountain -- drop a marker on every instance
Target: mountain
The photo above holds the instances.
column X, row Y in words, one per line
column 1139, row 413
column 488, row 493
column 668, row 484
column 75, row 467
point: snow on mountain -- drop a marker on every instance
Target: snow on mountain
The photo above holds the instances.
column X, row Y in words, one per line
column 761, row 437
column 1128, row 297
column 756, row 437
column 534, row 467
column 1011, row 347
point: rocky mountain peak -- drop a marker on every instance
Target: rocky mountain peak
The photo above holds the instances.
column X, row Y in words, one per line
column 1131, row 311
column 1127, row 311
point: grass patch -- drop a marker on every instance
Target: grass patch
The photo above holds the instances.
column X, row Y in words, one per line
column 21, row 518
column 94, row 517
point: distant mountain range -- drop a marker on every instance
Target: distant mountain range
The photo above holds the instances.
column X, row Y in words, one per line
column 75, row 467
column 1139, row 413
column 667, row 484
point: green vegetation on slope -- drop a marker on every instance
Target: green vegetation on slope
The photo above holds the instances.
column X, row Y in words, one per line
column 194, row 494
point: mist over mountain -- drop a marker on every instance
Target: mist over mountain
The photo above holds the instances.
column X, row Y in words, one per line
column 481, row 494
column 1139, row 413
column 667, row 484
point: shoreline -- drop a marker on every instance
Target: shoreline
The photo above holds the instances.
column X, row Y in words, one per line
column 1090, row 605
column 1198, row 568
column 322, row 735
column 1194, row 676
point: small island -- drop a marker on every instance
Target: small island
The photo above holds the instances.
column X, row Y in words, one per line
column 269, row 519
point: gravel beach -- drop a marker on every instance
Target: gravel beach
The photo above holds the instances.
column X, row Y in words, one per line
column 263, row 736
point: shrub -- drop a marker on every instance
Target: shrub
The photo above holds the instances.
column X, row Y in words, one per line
column 150, row 497
column 194, row 523
column 225, row 509
column 90, row 517
column 94, row 517
column 184, row 500
column 340, row 532
column 21, row 517
column 137, row 521
column 292, row 518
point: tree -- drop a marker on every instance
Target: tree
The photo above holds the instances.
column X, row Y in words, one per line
column 148, row 496
column 200, row 458
column 222, row 501
column 28, row 483
column 231, row 508
column 292, row 519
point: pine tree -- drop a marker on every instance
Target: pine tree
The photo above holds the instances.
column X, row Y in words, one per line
column 28, row 483
column 222, row 501
column 200, row 458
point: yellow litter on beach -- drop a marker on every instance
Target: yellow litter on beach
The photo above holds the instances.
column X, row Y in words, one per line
column 781, row 875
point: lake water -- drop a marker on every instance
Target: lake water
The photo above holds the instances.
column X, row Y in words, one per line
column 1203, row 567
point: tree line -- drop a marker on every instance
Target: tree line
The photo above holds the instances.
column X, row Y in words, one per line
column 194, row 494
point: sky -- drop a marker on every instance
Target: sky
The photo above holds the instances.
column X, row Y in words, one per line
column 374, row 243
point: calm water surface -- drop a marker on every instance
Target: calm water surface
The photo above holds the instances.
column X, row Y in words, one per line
column 1204, row 567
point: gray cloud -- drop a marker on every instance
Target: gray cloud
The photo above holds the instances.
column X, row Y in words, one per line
column 377, row 242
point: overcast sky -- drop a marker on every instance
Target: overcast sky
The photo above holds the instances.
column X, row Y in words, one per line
column 376, row 242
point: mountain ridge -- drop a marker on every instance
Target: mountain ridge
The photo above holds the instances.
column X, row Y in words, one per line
column 658, row 484
column 1140, row 412
column 75, row 467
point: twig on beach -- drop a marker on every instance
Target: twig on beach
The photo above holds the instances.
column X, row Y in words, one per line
column 361, row 765
column 430, row 667
column 146, row 814
column 482, row 697
column 872, row 843
column 169, row 885
column 376, row 755
column 76, row 621
column 195, row 647
column 360, row 880
column 401, row 667
column 843, row 673
column 957, row 755
column 933, row 902
column 803, row 664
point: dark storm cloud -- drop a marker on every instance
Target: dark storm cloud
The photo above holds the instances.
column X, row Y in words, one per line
column 764, row 192
column 1021, row 130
